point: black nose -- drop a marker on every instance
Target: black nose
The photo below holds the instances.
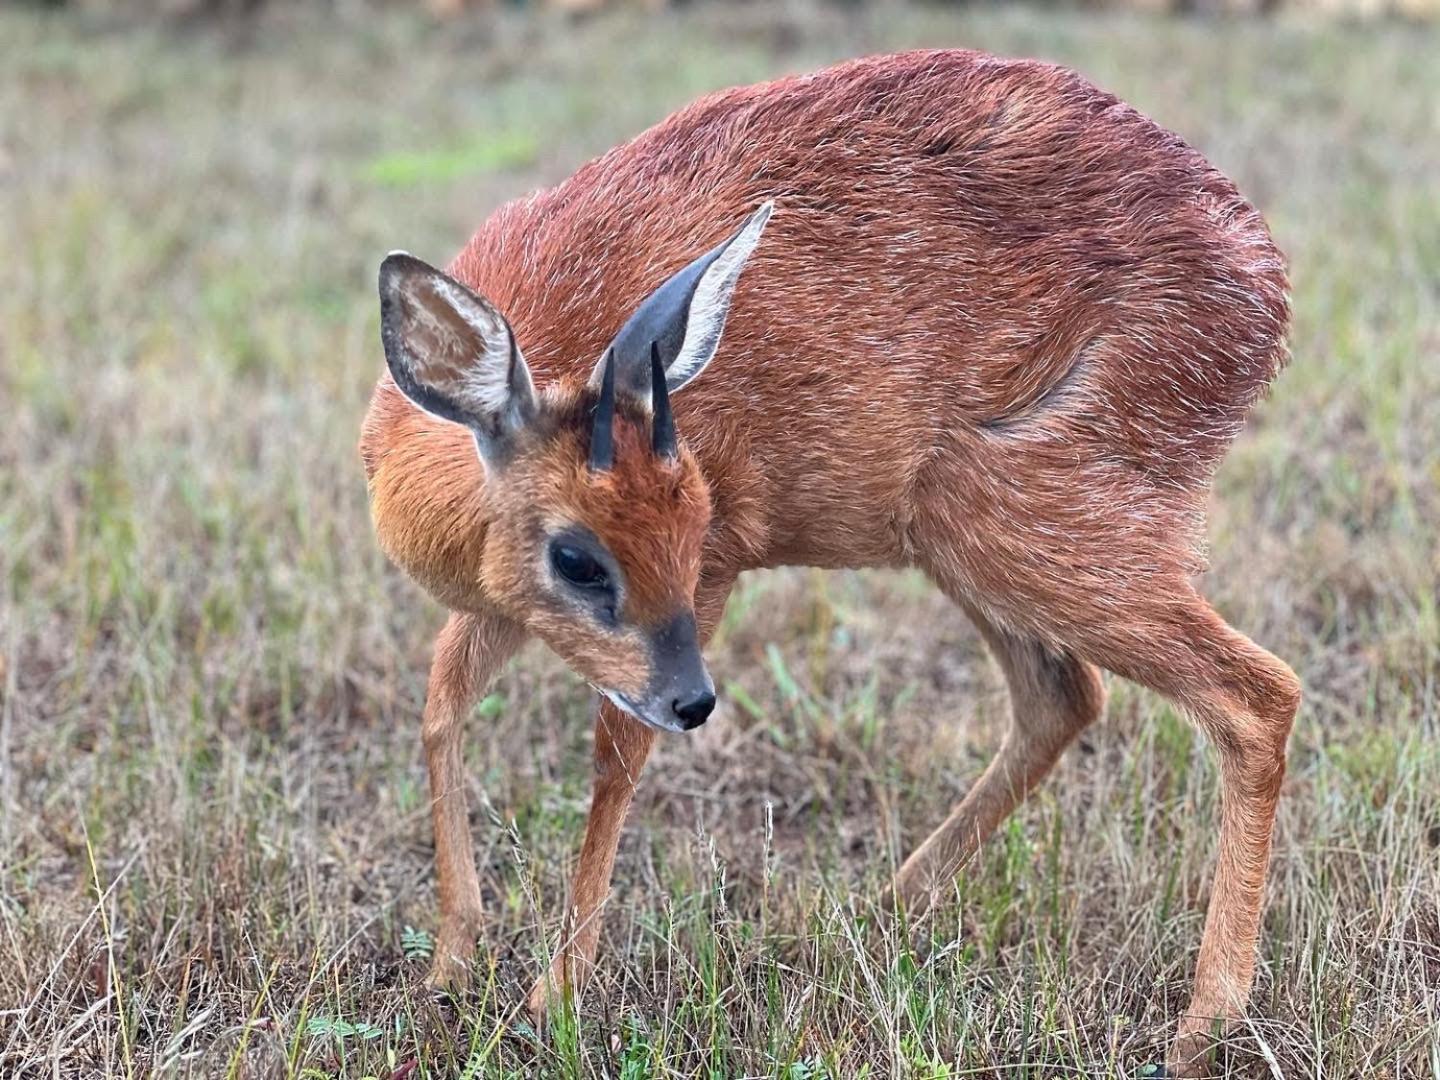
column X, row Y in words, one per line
column 694, row 712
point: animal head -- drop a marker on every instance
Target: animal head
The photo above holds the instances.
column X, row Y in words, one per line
column 595, row 511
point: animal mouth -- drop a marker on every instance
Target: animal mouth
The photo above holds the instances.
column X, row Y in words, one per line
column 629, row 707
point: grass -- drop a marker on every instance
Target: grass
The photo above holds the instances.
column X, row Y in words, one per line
column 214, row 840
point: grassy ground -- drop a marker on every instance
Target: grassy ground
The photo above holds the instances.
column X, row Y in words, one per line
column 214, row 841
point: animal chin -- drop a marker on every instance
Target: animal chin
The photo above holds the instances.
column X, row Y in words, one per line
column 625, row 705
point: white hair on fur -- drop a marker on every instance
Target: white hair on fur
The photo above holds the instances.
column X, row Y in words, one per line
column 486, row 386
column 710, row 304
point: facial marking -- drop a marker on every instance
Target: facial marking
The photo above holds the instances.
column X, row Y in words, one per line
column 656, row 719
column 583, row 572
column 643, row 522
column 648, row 514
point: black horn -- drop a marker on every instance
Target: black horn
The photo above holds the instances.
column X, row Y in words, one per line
column 602, row 427
column 662, row 427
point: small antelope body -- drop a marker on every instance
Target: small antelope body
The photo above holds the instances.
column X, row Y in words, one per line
column 937, row 310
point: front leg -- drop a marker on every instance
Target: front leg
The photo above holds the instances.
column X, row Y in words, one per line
column 622, row 744
column 468, row 652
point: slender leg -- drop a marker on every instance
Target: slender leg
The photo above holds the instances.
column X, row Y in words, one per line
column 468, row 652
column 1053, row 697
column 622, row 744
column 1245, row 700
column 1242, row 697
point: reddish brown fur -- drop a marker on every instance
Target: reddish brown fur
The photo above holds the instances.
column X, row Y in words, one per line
column 1002, row 327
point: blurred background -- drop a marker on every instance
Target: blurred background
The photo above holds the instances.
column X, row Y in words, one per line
column 215, row 853
column 449, row 8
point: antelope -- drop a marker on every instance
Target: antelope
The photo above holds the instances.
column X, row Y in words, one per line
column 935, row 310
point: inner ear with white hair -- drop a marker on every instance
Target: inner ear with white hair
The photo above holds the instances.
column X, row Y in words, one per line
column 681, row 322
column 453, row 354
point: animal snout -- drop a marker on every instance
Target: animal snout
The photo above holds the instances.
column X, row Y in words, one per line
column 692, row 712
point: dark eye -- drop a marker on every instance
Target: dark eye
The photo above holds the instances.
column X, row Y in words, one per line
column 578, row 567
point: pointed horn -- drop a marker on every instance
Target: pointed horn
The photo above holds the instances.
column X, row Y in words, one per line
column 602, row 426
column 514, row 349
column 662, row 426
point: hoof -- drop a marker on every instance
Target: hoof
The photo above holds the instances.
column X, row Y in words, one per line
column 543, row 995
column 914, row 895
column 442, row 988
column 904, row 904
column 538, row 1002
column 1191, row 1056
column 449, row 973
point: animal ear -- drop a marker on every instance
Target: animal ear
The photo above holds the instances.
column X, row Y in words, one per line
column 453, row 354
column 684, row 317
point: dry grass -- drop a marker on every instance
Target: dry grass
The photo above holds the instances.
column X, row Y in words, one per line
column 213, row 820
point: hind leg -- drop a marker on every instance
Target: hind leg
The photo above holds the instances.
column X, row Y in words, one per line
column 1084, row 553
column 1245, row 700
column 1053, row 697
